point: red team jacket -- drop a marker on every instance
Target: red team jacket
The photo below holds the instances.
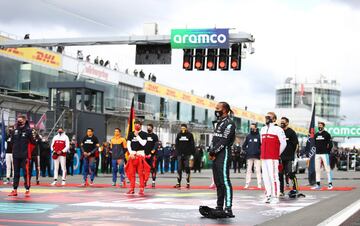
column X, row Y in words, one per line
column 273, row 141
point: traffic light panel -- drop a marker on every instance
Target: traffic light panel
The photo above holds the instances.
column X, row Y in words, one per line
column 200, row 59
column 211, row 62
column 188, row 59
column 224, row 59
column 235, row 61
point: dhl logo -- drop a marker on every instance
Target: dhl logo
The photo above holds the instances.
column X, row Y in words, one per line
column 13, row 51
column 153, row 88
column 45, row 57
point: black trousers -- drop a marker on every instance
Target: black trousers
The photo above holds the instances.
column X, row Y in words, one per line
column 153, row 166
column 35, row 160
column 70, row 165
column 237, row 163
column 166, row 163
column 160, row 162
column 221, row 174
column 45, row 166
column 288, row 172
column 183, row 164
column 197, row 164
column 22, row 163
column 172, row 164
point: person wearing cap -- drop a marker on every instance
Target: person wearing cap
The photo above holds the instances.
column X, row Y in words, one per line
column 136, row 144
column 60, row 145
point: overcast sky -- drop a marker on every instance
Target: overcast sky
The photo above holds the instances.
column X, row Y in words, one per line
column 303, row 38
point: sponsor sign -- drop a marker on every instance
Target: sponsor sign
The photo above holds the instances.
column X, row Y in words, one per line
column 199, row 38
column 35, row 55
column 343, row 131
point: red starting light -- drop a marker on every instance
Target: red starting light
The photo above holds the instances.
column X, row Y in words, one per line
column 210, row 64
column 198, row 64
column 186, row 64
column 234, row 64
column 222, row 64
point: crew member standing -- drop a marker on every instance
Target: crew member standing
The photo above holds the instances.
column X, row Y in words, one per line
column 288, row 156
column 23, row 140
column 273, row 143
column 185, row 147
column 150, row 152
column 9, row 155
column 60, row 145
column 323, row 144
column 118, row 149
column 252, row 148
column 220, row 153
column 136, row 145
column 89, row 145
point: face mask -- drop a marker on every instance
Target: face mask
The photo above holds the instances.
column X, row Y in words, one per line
column 282, row 125
column 137, row 127
column 268, row 120
column 320, row 128
column 149, row 130
column 218, row 114
column 60, row 132
column 20, row 123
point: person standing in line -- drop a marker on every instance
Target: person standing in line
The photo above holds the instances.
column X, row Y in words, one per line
column 60, row 145
column 136, row 145
column 235, row 154
column 185, row 147
column 252, row 146
column 151, row 152
column 118, row 149
column 323, row 144
column 199, row 153
column 23, row 140
column 9, row 155
column 89, row 145
column 220, row 154
column 288, row 156
column 273, row 143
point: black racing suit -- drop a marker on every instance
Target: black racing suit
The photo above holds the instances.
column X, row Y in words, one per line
column 287, row 158
column 223, row 139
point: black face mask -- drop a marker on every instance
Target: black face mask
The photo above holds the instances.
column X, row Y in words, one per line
column 320, row 128
column 149, row 130
column 282, row 125
column 218, row 114
column 60, row 132
column 253, row 131
column 20, row 123
column 268, row 120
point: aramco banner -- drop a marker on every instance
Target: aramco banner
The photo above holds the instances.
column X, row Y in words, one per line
column 200, row 38
column 343, row 131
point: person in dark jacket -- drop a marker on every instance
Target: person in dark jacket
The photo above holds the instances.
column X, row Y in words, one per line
column 35, row 159
column 252, row 146
column 45, row 155
column 9, row 155
column 173, row 158
column 151, row 152
column 167, row 154
column 288, row 156
column 199, row 153
column 23, row 140
column 223, row 139
column 235, row 154
column 323, row 144
column 70, row 157
column 160, row 157
column 185, row 147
